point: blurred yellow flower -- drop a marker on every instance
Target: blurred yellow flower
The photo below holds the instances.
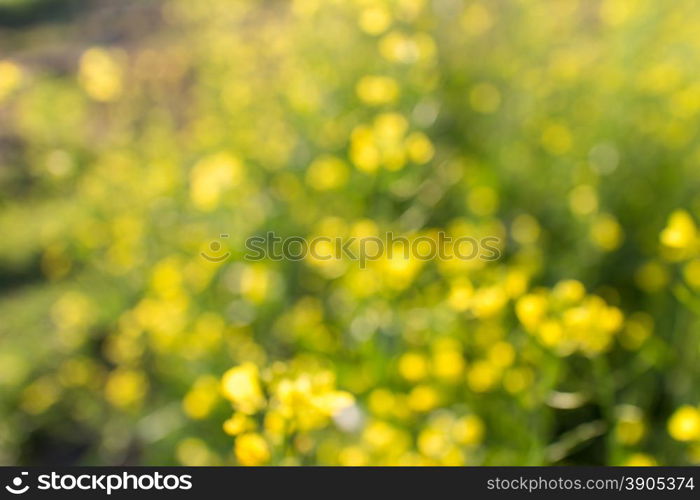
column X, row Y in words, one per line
column 525, row 229
column 630, row 427
column 419, row 148
column 399, row 47
column 477, row 19
column 211, row 177
column 255, row 282
column 531, row 309
column 583, row 199
column 469, row 430
column 40, row 395
column 501, row 354
column 423, row 398
column 193, row 452
column 691, row 272
column 652, row 276
column 483, row 200
column 238, row 424
column 377, row 90
column 448, row 360
column 640, row 460
column 684, row 424
column 126, row 387
column 10, row 78
column 638, row 328
column 433, row 442
column 101, row 75
column 252, row 450
column 241, row 386
column 200, row 400
column 681, row 232
column 375, row 19
column 617, row 12
column 413, row 366
column 460, row 296
column 569, row 291
column 606, row 232
column 326, row 173
column 556, row 138
column 482, row 376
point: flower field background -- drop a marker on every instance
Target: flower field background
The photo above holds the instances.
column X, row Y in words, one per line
column 134, row 134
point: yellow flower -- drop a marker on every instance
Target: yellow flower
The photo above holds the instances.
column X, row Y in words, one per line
column 238, row 424
column 550, row 333
column 353, row 456
column 501, row 354
column 166, row 277
column 10, row 78
column 433, row 442
column 390, row 127
column 525, row 229
column 477, row 19
column 556, row 139
column 377, row 90
column 40, row 395
column 73, row 312
column 583, row 200
column 423, row 398
column 488, row 301
column 326, row 173
column 401, row 48
column 275, row 424
column 381, row 435
column 252, row 450
column 617, row 12
column 211, row 177
column 517, row 379
column 364, row 153
column 684, row 424
column 460, row 296
column 469, row 430
column 100, row 74
column 448, row 360
column 680, row 233
column 420, row 149
column 691, row 272
column 200, row 400
column 381, row 402
column 193, row 452
column 309, row 400
column 126, row 387
column 652, row 276
column 255, row 282
column 606, row 232
column 630, row 428
column 483, row 200
column 375, row 19
column 569, row 291
column 640, row 460
column 638, row 329
column 413, row 366
column 531, row 310
column 482, row 376
column 241, row 385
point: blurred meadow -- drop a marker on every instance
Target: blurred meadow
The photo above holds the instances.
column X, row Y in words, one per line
column 134, row 133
